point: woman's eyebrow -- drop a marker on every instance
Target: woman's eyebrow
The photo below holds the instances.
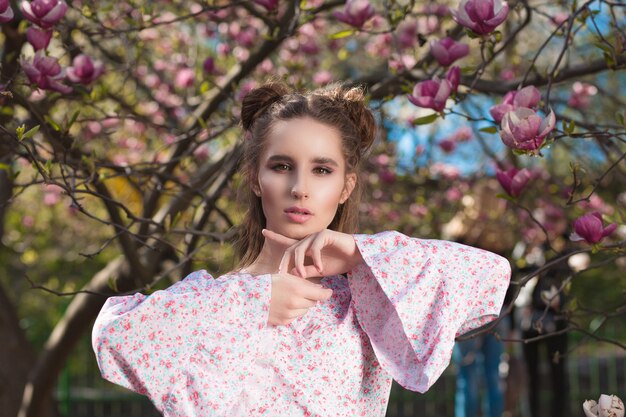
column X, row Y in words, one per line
column 325, row 161
column 317, row 160
column 279, row 158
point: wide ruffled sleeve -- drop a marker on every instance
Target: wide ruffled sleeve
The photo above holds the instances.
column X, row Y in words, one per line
column 192, row 339
column 413, row 297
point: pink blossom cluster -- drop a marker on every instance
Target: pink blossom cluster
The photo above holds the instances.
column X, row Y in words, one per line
column 355, row 13
column 44, row 14
column 522, row 127
column 581, row 95
column 43, row 71
column 481, row 16
column 434, row 93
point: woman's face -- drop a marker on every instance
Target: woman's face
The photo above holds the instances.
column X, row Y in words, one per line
column 302, row 177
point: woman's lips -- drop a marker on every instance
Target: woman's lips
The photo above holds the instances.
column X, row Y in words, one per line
column 298, row 214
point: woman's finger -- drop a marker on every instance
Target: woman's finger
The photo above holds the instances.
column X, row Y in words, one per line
column 316, row 254
column 278, row 238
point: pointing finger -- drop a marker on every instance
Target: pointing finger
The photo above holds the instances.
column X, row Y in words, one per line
column 278, row 238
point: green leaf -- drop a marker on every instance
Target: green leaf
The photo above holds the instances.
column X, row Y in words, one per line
column 568, row 127
column 5, row 167
column 19, row 131
column 426, row 119
column 506, row 197
column 342, row 34
column 489, row 129
column 610, row 61
column 497, row 35
column 204, row 87
column 52, row 123
column 72, row 120
column 31, row 132
column 112, row 283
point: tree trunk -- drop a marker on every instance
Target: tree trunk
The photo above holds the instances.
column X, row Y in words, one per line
column 77, row 319
column 16, row 357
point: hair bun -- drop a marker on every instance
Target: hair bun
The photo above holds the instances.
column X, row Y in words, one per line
column 259, row 100
column 352, row 99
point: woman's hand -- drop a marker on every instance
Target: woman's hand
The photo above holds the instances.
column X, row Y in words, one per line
column 292, row 297
column 331, row 252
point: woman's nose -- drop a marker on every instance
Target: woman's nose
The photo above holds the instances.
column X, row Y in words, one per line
column 299, row 188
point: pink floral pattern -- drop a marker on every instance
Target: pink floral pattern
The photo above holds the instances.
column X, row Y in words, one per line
column 203, row 347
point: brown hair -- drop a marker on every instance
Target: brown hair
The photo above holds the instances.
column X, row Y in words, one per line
column 337, row 106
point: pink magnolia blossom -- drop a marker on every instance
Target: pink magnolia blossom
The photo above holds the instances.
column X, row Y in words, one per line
column 6, row 12
column 52, row 194
column 431, row 94
column 524, row 129
column 454, row 78
column 84, row 70
column 513, row 180
column 46, row 73
column 322, row 77
column 355, row 13
column 386, row 176
column 462, row 134
column 407, row 34
column 402, row 62
column 447, row 145
column 590, row 228
column 209, row 65
column 559, row 18
column 44, row 13
column 447, row 50
column 38, row 38
column 481, row 16
column 528, row 96
column 185, row 77
column 268, row 4
column 581, row 95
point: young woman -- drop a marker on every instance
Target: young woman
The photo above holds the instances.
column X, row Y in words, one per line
column 316, row 320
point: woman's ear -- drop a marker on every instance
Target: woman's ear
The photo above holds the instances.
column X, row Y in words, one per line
column 348, row 187
column 256, row 189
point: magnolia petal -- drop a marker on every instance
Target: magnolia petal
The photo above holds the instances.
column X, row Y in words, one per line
column 55, row 14
column 6, row 15
column 519, row 181
column 499, row 110
column 461, row 17
column 609, row 229
column 27, row 11
column 38, row 38
column 57, row 86
column 528, row 96
column 547, row 125
column 31, row 72
column 500, row 15
column 480, row 10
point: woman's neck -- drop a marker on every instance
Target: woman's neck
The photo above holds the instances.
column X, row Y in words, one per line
column 267, row 261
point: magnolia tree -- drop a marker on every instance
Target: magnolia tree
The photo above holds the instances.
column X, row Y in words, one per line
column 120, row 139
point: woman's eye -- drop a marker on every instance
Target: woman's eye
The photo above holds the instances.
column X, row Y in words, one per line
column 280, row 167
column 322, row 171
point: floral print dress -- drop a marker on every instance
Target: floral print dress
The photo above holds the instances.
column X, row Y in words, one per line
column 203, row 346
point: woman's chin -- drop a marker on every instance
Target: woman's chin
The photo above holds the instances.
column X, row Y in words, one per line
column 296, row 233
